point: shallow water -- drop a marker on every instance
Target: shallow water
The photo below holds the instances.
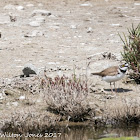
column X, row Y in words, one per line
column 78, row 132
column 89, row 132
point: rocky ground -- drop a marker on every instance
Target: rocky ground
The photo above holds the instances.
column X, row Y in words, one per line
column 64, row 37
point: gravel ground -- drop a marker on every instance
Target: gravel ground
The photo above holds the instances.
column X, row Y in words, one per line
column 63, row 37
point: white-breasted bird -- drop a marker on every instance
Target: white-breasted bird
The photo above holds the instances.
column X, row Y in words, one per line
column 113, row 74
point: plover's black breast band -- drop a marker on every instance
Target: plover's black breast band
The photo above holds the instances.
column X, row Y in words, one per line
column 123, row 71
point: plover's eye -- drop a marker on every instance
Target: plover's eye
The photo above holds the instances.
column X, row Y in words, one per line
column 122, row 65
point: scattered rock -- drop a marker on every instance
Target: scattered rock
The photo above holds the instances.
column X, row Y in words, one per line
column 93, row 90
column 40, row 19
column 19, row 8
column 114, row 10
column 34, row 34
column 102, row 56
column 58, row 68
column 137, row 4
column 115, row 25
column 5, row 81
column 29, row 102
column 30, row 5
column 109, row 96
column 63, row 68
column 8, row 104
column 53, row 63
column 1, row 96
column 9, row 92
column 90, row 30
column 15, row 103
column 34, row 23
column 86, row 4
column 54, row 28
column 29, row 69
column 38, row 100
column 73, row 27
column 52, row 16
column 12, row 18
column 41, row 12
column 22, row 98
column 13, row 7
column 37, row 21
column 108, row 55
column 96, row 90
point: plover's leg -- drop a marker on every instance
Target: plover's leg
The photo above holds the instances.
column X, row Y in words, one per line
column 111, row 87
column 115, row 87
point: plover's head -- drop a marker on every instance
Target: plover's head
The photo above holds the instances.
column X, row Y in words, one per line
column 124, row 67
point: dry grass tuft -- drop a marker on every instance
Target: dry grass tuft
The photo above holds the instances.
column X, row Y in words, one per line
column 125, row 111
column 64, row 97
column 30, row 122
column 67, row 96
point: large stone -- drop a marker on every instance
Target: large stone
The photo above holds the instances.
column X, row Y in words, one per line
column 29, row 69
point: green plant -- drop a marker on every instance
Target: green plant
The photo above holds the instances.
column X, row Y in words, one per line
column 131, row 51
column 121, row 138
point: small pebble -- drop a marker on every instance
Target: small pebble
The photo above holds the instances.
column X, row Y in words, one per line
column 15, row 103
column 30, row 5
column 34, row 23
column 90, row 30
column 20, row 8
column 22, row 97
column 73, row 27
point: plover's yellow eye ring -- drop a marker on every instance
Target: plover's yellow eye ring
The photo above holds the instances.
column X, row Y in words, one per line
column 122, row 66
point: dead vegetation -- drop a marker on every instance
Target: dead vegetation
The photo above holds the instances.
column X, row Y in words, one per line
column 67, row 96
column 30, row 122
column 65, row 99
column 125, row 111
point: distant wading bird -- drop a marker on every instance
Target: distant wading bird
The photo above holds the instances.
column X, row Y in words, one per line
column 113, row 74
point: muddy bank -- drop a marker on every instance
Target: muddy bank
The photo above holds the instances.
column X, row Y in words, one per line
column 40, row 103
column 82, row 131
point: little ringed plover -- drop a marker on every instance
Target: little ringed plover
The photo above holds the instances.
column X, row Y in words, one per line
column 113, row 74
